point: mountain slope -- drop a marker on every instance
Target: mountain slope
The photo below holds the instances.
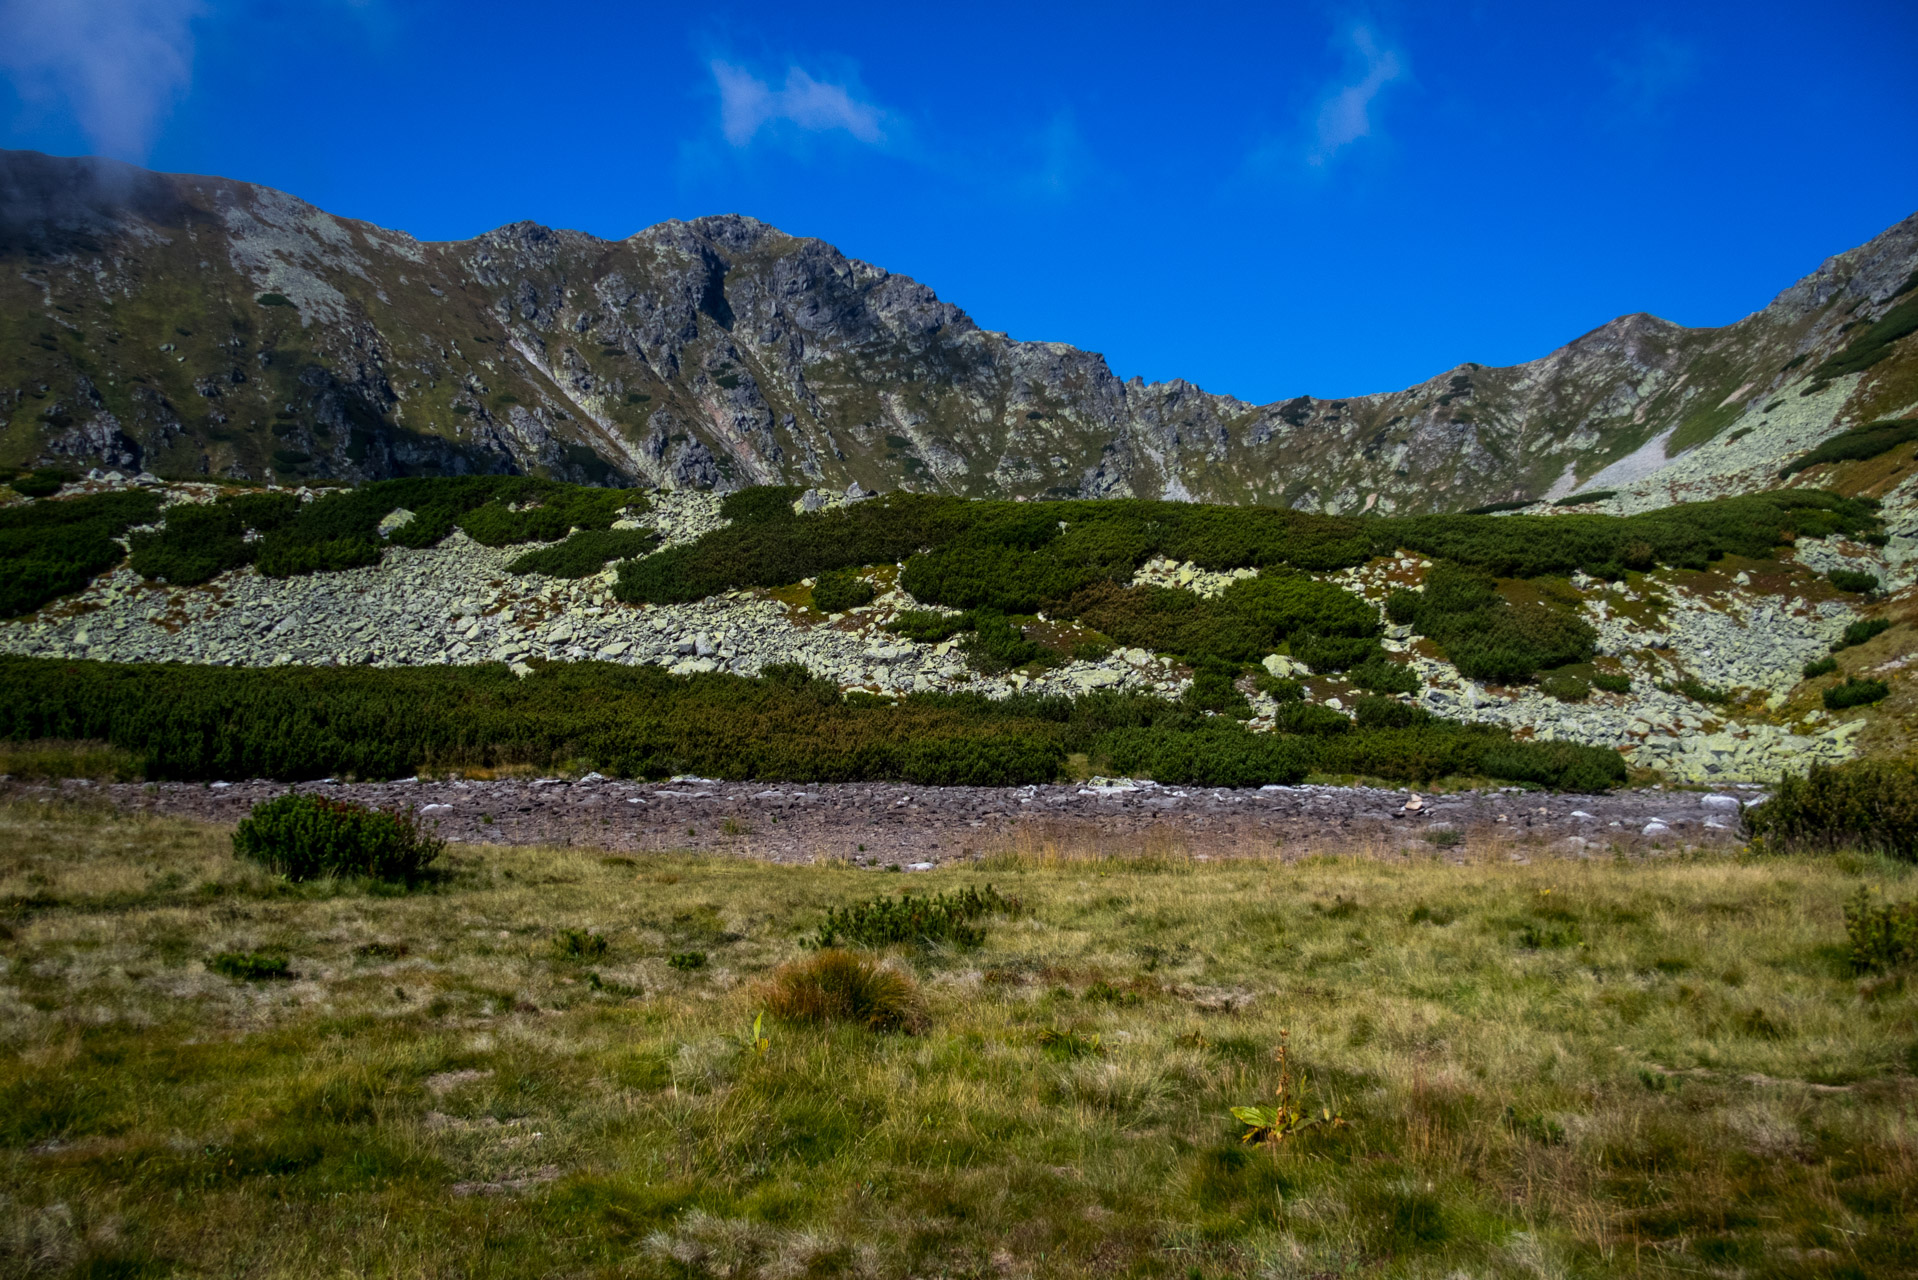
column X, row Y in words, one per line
column 199, row 326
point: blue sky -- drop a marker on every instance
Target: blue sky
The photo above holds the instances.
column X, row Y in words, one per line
column 1265, row 200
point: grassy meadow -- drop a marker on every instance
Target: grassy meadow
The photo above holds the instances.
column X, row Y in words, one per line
column 545, row 1063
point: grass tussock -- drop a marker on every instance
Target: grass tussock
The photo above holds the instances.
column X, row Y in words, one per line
column 836, row 986
column 1596, row 1068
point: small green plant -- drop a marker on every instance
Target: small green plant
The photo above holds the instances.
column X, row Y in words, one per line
column 1566, row 686
column 1278, row 688
column 1859, row 632
column 1067, row 1044
column 1379, row 674
column 882, row 921
column 1540, row 1129
column 686, row 961
column 1440, row 916
column 1854, row 580
column 1446, row 838
column 1820, row 667
column 1856, row 693
column 1102, row 992
column 304, row 837
column 1612, row 682
column 1288, row 1115
column 840, row 591
column 840, row 986
column 1884, row 935
column 1697, row 691
column 250, row 966
column 578, row 945
column 757, row 1040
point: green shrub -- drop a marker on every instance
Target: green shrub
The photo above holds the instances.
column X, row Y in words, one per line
column 1853, row 580
column 43, row 483
column 760, row 504
column 1857, row 444
column 1820, row 667
column 999, row 644
column 1862, row 804
column 1697, row 691
column 1872, row 345
column 578, row 944
column 925, row 627
column 53, row 547
column 1562, row 766
column 939, row 920
column 1216, row 689
column 305, row 837
column 1402, row 606
column 837, row 986
column 1576, row 499
column 1219, row 753
column 1309, row 718
column 1387, row 713
column 1338, row 653
column 1856, row 693
column 250, row 966
column 1860, row 631
column 1379, row 674
column 1884, row 935
column 1488, row 638
column 841, row 591
column 200, row 542
column 1612, row 681
column 1278, row 688
column 341, row 529
column 1567, row 686
column 586, row 552
column 686, row 961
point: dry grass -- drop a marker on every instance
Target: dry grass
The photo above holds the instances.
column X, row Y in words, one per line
column 1551, row 1068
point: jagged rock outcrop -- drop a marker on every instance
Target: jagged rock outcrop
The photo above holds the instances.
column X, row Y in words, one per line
column 198, row 326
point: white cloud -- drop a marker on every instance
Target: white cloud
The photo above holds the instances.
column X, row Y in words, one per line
column 118, row 64
column 1346, row 114
column 748, row 104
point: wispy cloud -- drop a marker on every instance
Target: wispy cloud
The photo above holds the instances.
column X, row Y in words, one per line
column 1645, row 77
column 117, row 65
column 1345, row 114
column 749, row 106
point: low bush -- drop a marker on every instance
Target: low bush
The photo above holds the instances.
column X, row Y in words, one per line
column 1309, row 718
column 686, row 961
column 999, row 644
column 1338, row 653
column 1278, row 688
column 55, row 546
column 922, row 626
column 1856, row 693
column 1218, row 753
column 1567, row 686
column 1488, row 638
column 43, row 482
column 250, row 966
column 1853, row 580
column 1819, row 667
column 305, row 837
column 1379, row 674
column 1576, row 499
column 836, row 986
column 586, row 552
column 952, row 920
column 841, row 591
column 201, row 541
column 1862, row 804
column 1697, row 691
column 1859, row 632
column 1217, row 690
column 1387, row 713
column 578, row 944
column 1612, row 681
column 1883, row 935
column 1857, row 444
column 341, row 529
column 1562, row 766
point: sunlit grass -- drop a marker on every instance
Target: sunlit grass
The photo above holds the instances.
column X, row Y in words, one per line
column 1549, row 1068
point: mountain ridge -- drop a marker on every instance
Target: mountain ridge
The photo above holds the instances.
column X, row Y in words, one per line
column 146, row 324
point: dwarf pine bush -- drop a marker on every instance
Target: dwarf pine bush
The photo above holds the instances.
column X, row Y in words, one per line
column 1862, row 804
column 306, row 837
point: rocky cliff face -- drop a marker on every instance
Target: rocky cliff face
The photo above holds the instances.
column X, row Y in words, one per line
column 197, row 326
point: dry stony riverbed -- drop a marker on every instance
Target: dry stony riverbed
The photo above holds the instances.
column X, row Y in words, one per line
column 916, row 828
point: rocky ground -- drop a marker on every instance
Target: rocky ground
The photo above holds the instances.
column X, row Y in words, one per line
column 915, row 828
column 1745, row 626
